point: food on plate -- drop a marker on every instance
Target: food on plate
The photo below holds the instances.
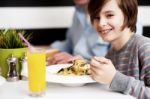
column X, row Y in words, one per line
column 79, row 67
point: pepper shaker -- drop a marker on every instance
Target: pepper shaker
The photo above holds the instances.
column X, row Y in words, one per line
column 12, row 72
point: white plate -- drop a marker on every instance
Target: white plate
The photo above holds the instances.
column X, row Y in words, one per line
column 70, row 80
column 2, row 80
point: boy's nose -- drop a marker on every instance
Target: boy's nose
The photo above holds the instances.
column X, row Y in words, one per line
column 102, row 22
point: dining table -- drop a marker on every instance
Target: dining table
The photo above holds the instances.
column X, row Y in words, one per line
column 19, row 90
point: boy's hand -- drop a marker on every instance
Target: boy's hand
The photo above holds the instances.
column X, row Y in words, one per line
column 102, row 70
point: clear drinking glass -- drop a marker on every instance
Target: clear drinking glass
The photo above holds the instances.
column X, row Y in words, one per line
column 36, row 60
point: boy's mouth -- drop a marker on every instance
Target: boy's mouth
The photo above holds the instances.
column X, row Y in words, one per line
column 105, row 31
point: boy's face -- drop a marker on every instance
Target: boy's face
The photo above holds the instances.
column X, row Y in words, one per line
column 109, row 21
column 81, row 2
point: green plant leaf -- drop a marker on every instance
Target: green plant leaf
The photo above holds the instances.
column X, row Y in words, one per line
column 9, row 38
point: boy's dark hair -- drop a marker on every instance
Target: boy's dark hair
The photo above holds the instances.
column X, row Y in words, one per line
column 128, row 7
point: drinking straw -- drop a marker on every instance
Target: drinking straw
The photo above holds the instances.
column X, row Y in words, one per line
column 28, row 44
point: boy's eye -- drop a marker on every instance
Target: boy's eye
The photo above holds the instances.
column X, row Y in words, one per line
column 109, row 15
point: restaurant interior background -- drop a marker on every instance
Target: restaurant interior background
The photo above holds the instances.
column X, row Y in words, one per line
column 48, row 20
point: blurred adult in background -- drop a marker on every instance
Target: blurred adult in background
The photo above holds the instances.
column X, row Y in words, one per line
column 81, row 38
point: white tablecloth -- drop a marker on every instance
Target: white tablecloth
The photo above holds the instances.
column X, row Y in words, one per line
column 19, row 90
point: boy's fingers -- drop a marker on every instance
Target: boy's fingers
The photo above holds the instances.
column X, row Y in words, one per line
column 102, row 60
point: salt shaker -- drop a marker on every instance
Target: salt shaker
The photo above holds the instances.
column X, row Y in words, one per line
column 12, row 72
column 24, row 70
column 0, row 70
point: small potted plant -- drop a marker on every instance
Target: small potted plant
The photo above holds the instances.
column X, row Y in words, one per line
column 10, row 43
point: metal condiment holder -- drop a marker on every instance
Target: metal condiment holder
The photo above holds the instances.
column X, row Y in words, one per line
column 12, row 74
column 24, row 70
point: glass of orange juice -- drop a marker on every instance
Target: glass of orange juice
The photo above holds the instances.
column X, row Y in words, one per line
column 36, row 60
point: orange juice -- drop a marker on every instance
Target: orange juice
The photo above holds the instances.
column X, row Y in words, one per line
column 36, row 72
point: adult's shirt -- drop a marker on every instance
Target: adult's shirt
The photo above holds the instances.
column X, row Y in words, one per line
column 82, row 39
